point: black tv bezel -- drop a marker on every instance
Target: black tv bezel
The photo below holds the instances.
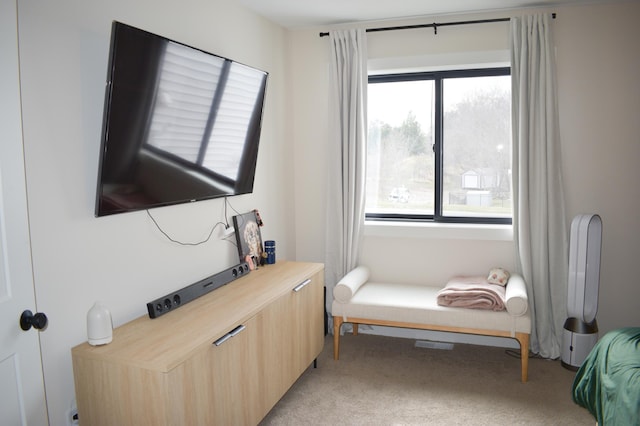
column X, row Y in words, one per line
column 107, row 111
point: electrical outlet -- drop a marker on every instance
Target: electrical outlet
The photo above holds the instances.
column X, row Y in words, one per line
column 73, row 417
column 72, row 414
column 228, row 231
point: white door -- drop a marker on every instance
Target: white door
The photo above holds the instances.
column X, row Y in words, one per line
column 22, row 396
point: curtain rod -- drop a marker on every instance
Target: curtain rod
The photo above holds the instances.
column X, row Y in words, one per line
column 435, row 25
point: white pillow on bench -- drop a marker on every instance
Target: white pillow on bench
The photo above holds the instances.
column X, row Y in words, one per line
column 516, row 300
column 350, row 283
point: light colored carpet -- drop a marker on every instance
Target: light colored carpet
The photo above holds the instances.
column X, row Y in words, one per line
column 388, row 381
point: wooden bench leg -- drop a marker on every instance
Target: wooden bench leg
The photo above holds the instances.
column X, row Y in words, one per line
column 523, row 338
column 337, row 322
column 355, row 328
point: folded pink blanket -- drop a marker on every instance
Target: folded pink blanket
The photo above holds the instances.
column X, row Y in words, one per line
column 472, row 292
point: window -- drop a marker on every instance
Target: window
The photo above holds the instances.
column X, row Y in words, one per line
column 439, row 146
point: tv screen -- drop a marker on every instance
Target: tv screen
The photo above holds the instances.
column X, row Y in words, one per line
column 180, row 124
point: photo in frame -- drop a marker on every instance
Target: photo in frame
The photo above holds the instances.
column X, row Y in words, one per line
column 248, row 238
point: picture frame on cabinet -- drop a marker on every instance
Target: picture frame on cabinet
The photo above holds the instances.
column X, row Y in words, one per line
column 249, row 238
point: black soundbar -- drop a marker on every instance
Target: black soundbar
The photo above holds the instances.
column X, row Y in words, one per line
column 181, row 297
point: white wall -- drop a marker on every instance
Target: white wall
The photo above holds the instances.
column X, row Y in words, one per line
column 599, row 100
column 123, row 260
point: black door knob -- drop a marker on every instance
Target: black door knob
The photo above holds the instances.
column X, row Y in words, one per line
column 28, row 319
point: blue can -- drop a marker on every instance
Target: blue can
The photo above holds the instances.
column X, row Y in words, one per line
column 270, row 249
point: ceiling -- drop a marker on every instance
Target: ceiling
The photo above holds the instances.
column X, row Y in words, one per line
column 309, row 13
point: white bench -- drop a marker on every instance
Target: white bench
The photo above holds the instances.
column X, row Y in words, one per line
column 359, row 301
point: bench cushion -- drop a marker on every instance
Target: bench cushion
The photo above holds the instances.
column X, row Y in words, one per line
column 417, row 304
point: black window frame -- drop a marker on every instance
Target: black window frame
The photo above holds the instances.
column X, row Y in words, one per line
column 438, row 77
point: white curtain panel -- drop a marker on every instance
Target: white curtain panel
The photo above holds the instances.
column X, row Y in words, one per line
column 540, row 230
column 346, row 154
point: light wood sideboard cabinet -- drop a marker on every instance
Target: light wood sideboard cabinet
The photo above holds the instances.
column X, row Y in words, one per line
column 225, row 358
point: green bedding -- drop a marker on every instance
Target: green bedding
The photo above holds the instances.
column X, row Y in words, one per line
column 608, row 381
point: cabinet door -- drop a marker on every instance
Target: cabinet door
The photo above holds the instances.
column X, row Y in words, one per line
column 307, row 318
column 292, row 335
column 218, row 386
column 275, row 346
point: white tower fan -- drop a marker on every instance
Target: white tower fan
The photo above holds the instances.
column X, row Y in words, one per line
column 580, row 332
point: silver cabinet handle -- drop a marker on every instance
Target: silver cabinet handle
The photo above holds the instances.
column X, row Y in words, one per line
column 301, row 285
column 222, row 339
column 235, row 331
column 229, row 335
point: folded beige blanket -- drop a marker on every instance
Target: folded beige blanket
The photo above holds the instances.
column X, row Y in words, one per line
column 472, row 292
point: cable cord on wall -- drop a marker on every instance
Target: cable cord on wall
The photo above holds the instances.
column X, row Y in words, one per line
column 226, row 225
column 227, row 203
column 181, row 242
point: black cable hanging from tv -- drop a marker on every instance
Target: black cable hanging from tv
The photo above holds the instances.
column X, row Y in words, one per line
column 434, row 25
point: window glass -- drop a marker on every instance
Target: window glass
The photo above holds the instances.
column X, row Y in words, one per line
column 476, row 146
column 439, row 146
column 400, row 158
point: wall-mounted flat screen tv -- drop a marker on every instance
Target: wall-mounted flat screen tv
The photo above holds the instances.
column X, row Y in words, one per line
column 180, row 124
